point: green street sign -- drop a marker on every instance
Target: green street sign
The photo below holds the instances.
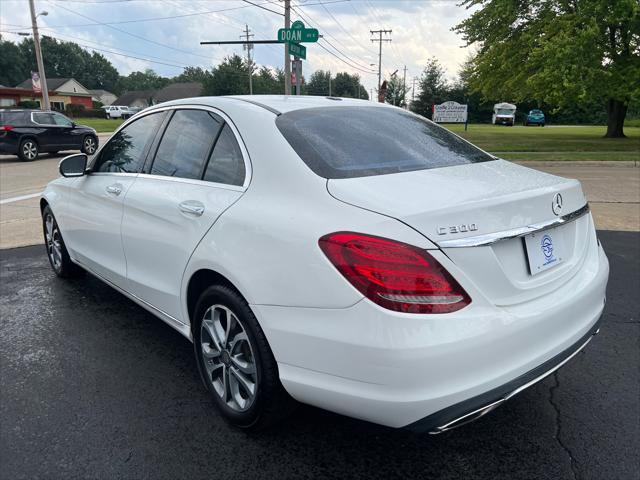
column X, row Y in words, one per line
column 298, row 50
column 298, row 34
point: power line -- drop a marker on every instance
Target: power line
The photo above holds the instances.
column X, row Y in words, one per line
column 310, row 20
column 129, row 33
column 263, row 8
column 344, row 61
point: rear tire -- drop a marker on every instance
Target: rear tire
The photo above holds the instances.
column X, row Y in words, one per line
column 28, row 150
column 235, row 361
column 56, row 249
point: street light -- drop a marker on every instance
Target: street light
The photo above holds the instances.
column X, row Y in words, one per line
column 44, row 13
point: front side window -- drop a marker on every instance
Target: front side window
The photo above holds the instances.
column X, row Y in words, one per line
column 186, row 144
column 43, row 118
column 226, row 164
column 126, row 150
column 347, row 142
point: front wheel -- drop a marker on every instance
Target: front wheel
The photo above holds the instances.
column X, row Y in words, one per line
column 56, row 249
column 89, row 145
column 235, row 361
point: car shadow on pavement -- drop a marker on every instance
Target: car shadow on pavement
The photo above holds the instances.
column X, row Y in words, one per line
column 94, row 385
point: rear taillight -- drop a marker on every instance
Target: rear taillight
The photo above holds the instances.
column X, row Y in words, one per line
column 393, row 274
column 6, row 128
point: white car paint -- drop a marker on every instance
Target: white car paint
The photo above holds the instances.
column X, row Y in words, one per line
column 336, row 349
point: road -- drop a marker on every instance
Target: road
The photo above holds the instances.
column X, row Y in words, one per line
column 95, row 387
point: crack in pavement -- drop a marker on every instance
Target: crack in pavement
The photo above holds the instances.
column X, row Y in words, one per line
column 558, row 431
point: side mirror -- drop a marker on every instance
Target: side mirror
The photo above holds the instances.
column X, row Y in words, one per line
column 73, row 125
column 73, row 165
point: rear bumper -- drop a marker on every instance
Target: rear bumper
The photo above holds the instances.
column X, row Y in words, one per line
column 400, row 369
column 8, row 146
column 476, row 407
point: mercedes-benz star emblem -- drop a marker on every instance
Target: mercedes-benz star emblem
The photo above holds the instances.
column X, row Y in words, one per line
column 556, row 204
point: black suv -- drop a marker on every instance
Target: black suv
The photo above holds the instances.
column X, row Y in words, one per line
column 28, row 132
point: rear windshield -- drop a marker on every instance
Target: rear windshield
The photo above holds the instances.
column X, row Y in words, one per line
column 347, row 142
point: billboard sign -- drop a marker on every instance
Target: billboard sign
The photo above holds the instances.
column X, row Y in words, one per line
column 450, row 112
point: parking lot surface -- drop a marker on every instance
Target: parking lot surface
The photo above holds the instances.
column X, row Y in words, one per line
column 95, row 387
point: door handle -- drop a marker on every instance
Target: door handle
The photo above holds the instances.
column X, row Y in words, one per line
column 191, row 207
column 115, row 189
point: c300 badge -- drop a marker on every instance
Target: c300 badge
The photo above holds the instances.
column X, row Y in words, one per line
column 465, row 227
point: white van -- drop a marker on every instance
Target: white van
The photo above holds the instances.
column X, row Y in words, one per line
column 504, row 114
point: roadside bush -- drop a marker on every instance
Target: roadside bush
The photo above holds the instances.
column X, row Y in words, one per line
column 79, row 111
column 28, row 104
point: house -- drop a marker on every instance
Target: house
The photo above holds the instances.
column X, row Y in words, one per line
column 102, row 96
column 176, row 91
column 62, row 92
column 136, row 98
column 10, row 97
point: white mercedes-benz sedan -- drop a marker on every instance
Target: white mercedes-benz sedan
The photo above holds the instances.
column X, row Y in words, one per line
column 346, row 254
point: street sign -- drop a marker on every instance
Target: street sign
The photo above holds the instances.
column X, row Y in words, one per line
column 298, row 50
column 450, row 112
column 297, row 33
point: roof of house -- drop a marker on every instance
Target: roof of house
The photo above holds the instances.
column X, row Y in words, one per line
column 100, row 91
column 52, row 83
column 132, row 96
column 177, row 91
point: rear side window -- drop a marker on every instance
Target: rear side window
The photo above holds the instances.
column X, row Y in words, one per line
column 126, row 150
column 347, row 142
column 12, row 118
column 226, row 164
column 43, row 118
column 186, row 144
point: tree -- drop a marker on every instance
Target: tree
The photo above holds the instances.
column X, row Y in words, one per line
column 318, row 83
column 348, row 86
column 231, row 77
column 559, row 52
column 433, row 89
column 147, row 80
column 193, row 74
column 69, row 60
column 13, row 68
column 396, row 92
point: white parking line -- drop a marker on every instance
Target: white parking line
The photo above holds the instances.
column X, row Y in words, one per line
column 20, row 198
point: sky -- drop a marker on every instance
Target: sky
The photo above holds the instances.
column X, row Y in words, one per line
column 136, row 35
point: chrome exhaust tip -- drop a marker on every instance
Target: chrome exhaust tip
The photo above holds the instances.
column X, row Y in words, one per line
column 467, row 418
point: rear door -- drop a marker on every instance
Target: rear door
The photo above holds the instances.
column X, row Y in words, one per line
column 93, row 208
column 198, row 171
column 46, row 129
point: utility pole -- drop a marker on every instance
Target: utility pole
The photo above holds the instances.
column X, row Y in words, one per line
column 329, row 82
column 371, row 96
column 36, row 41
column 248, row 47
column 287, row 58
column 380, row 40
column 404, row 87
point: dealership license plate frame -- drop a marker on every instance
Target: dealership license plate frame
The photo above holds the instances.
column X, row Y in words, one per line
column 545, row 249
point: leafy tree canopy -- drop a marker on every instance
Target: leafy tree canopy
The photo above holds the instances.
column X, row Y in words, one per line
column 396, row 92
column 433, row 89
column 561, row 52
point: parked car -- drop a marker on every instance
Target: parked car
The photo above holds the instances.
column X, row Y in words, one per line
column 348, row 255
column 118, row 111
column 504, row 114
column 26, row 133
column 535, row 117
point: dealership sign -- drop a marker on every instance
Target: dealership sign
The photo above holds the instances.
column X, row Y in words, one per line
column 450, row 112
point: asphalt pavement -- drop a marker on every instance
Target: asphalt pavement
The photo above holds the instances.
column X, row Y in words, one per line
column 93, row 386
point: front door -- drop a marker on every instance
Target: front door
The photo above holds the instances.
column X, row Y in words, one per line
column 169, row 210
column 93, row 209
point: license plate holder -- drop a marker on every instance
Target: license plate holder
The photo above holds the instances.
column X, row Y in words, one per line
column 545, row 249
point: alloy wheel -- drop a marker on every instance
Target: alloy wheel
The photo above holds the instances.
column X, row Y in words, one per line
column 53, row 240
column 29, row 150
column 229, row 361
column 89, row 145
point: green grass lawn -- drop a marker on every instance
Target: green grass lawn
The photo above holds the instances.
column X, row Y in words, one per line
column 102, row 125
column 552, row 143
